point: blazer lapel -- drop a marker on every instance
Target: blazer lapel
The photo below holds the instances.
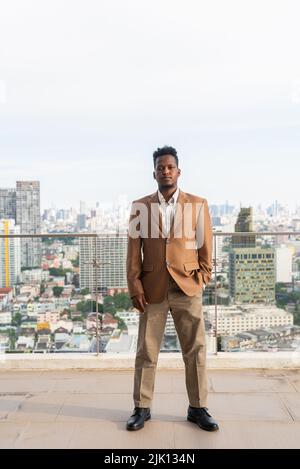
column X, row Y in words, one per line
column 154, row 217
column 177, row 225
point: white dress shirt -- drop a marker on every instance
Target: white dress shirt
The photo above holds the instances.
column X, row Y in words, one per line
column 167, row 210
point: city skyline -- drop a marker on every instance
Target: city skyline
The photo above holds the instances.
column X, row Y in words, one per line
column 121, row 199
column 91, row 205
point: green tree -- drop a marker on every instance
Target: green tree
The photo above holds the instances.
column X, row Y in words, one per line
column 121, row 324
column 66, row 311
column 88, row 307
column 84, row 306
column 122, row 301
column 109, row 304
column 58, row 272
column 75, row 262
column 17, row 320
column 12, row 339
column 296, row 314
column 57, row 291
column 69, row 241
column 47, row 241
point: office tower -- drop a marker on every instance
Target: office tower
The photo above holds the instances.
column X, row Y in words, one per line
column 10, row 254
column 244, row 223
column 216, row 221
column 81, row 221
column 251, row 269
column 28, row 217
column 8, row 204
column 111, row 253
column 218, row 243
column 60, row 214
column 83, row 208
column 252, row 275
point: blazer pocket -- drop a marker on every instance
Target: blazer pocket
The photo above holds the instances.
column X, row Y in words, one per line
column 147, row 267
column 188, row 266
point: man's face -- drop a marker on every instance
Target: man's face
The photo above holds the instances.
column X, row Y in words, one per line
column 166, row 171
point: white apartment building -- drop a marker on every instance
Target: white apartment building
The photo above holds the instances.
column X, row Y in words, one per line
column 34, row 276
column 6, row 295
column 130, row 318
column 170, row 326
column 111, row 253
column 283, row 263
column 240, row 318
column 65, row 324
column 218, row 241
column 5, row 317
column 48, row 316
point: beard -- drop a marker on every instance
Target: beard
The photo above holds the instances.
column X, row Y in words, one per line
column 167, row 185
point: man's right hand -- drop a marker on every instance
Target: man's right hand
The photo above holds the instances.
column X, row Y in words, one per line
column 139, row 302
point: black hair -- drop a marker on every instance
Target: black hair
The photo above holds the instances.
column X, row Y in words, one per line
column 165, row 151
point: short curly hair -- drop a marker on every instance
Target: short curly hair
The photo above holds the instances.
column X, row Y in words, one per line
column 165, row 151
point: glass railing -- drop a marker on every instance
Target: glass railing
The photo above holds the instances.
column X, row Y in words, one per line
column 254, row 298
column 62, row 293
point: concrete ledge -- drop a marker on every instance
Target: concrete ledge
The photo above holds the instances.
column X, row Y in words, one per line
column 116, row 361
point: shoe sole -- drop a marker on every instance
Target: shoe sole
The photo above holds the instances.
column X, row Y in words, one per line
column 138, row 428
column 191, row 419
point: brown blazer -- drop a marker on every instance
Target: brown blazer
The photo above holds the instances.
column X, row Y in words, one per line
column 150, row 258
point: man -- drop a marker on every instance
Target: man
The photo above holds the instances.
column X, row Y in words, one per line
column 169, row 262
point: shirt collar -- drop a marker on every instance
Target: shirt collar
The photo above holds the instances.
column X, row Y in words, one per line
column 172, row 200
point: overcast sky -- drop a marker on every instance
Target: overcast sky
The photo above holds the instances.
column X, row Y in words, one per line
column 89, row 89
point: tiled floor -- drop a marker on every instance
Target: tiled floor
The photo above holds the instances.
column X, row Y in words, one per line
column 89, row 409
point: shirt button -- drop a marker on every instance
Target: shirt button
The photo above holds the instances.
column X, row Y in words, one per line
column 168, row 264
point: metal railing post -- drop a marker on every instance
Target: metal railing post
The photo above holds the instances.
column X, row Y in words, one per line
column 216, row 303
column 96, row 294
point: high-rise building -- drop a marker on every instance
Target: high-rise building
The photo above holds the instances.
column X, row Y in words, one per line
column 81, row 221
column 218, row 243
column 244, row 223
column 252, row 275
column 83, row 208
column 8, row 204
column 251, row 268
column 10, row 254
column 111, row 253
column 28, row 217
column 284, row 262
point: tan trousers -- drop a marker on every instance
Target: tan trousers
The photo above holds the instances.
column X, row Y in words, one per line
column 189, row 323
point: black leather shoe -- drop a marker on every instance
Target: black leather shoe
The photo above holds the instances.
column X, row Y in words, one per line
column 202, row 418
column 137, row 419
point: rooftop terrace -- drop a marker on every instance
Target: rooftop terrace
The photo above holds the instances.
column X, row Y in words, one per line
column 88, row 408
